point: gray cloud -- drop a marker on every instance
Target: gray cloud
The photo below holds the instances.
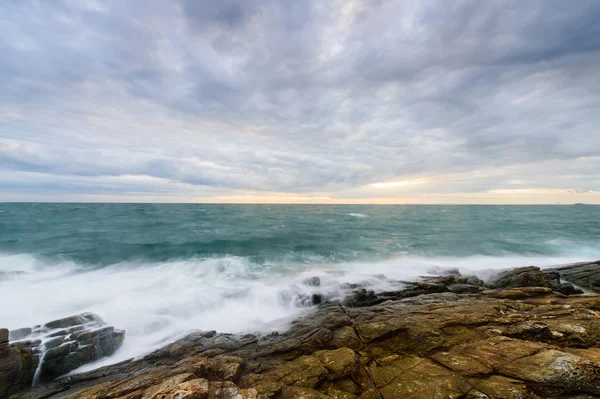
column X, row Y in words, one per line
column 307, row 96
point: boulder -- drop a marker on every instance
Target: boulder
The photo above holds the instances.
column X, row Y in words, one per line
column 54, row 349
column 18, row 363
column 552, row 278
column 585, row 274
column 529, row 276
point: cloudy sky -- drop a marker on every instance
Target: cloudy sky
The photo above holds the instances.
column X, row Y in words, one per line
column 349, row 101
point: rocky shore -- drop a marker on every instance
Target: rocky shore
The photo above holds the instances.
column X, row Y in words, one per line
column 524, row 333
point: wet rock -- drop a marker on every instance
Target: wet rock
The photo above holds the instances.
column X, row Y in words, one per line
column 79, row 340
column 530, row 276
column 552, row 278
column 472, row 280
column 465, row 288
column 585, row 274
column 66, row 322
column 313, row 281
column 569, row 289
column 19, row 333
column 361, row 298
column 3, row 336
column 17, row 367
column 442, row 271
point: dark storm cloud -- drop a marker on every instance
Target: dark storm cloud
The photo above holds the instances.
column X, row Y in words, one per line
column 303, row 96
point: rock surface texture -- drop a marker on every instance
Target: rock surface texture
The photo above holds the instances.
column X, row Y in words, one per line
column 585, row 275
column 426, row 341
column 43, row 353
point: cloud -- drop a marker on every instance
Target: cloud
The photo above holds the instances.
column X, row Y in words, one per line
column 311, row 98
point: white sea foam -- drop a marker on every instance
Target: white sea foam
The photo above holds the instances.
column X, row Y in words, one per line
column 157, row 303
column 358, row 215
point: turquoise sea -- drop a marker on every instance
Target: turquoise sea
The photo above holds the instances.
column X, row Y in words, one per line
column 162, row 270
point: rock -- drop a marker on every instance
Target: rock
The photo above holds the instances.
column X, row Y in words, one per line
column 552, row 278
column 569, row 289
column 302, row 393
column 585, row 274
column 17, row 367
column 523, row 342
column 418, row 378
column 483, row 356
column 305, row 371
column 314, row 281
column 339, row 363
column 530, row 276
column 56, row 353
column 519, row 293
column 552, row 372
column 361, row 298
column 223, row 368
column 19, row 333
column 182, row 386
column 3, row 336
column 441, row 271
column 499, row 387
column 465, row 288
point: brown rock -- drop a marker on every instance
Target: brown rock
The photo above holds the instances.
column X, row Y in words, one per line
column 485, row 356
column 340, row 362
column 530, row 276
column 519, row 293
column 226, row 368
column 553, row 371
column 302, row 393
column 499, row 387
column 424, row 379
column 179, row 386
column 306, row 371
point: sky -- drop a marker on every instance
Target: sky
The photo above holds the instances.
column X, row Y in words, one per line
column 278, row 101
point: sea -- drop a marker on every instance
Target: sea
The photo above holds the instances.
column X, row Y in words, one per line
column 160, row 271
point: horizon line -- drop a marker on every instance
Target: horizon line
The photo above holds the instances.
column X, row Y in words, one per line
column 289, row 203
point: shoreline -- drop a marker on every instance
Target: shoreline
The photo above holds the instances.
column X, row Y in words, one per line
column 432, row 339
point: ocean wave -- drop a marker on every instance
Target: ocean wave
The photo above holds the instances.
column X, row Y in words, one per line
column 358, row 215
column 157, row 303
